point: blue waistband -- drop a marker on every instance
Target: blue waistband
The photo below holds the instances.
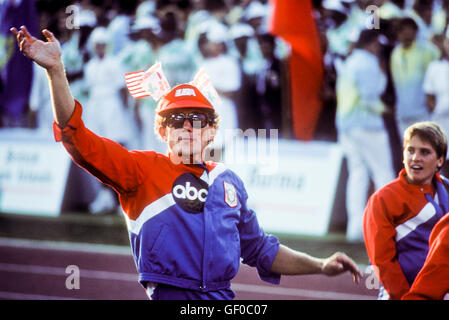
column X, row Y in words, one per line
column 184, row 283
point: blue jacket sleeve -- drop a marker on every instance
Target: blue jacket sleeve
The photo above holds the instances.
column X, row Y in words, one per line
column 258, row 249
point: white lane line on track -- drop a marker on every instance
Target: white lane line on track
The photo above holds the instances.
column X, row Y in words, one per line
column 69, row 246
column 122, row 250
column 58, row 271
column 108, row 275
column 29, row 296
column 314, row 294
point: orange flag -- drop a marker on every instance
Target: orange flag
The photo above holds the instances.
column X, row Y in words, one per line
column 292, row 20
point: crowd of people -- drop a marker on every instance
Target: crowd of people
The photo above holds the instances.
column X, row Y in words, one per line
column 387, row 62
column 381, row 60
column 384, row 62
column 103, row 40
column 188, row 220
column 385, row 78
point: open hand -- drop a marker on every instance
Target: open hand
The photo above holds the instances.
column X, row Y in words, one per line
column 46, row 54
column 339, row 263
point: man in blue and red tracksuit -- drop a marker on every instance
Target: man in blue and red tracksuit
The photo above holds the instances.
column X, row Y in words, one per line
column 188, row 219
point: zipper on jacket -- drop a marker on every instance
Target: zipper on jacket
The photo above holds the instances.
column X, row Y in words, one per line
column 203, row 272
column 203, row 286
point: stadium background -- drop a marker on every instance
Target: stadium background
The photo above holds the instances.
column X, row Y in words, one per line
column 46, row 223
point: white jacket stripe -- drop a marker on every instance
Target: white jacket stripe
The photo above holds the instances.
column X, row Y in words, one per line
column 220, row 168
column 410, row 225
column 149, row 212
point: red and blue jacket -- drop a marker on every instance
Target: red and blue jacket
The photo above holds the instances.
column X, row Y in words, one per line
column 432, row 282
column 398, row 220
column 189, row 225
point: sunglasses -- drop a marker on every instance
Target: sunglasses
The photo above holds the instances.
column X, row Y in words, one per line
column 177, row 120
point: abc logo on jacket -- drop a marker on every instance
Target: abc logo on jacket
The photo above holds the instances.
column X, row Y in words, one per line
column 190, row 192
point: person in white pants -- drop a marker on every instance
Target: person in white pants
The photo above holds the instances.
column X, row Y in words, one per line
column 361, row 131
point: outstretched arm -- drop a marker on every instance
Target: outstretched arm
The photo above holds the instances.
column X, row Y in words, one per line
column 291, row 262
column 48, row 55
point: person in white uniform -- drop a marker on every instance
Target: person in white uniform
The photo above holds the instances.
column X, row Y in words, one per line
column 436, row 88
column 105, row 108
column 139, row 54
column 103, row 77
column 361, row 130
column 223, row 70
column 409, row 61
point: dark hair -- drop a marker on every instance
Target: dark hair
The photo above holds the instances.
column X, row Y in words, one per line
column 422, row 4
column 407, row 22
column 367, row 37
column 266, row 37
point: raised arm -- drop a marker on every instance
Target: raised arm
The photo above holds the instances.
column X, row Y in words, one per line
column 48, row 55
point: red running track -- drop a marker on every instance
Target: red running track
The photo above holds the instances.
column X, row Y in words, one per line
column 37, row 270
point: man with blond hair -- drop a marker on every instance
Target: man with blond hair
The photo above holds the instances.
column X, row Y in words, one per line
column 188, row 219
